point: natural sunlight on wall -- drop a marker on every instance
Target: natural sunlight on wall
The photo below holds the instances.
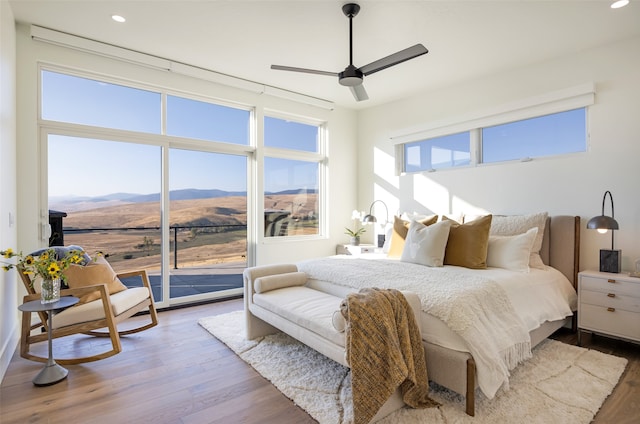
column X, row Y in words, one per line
column 384, row 168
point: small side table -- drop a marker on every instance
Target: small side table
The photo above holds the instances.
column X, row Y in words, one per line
column 52, row 373
column 350, row 249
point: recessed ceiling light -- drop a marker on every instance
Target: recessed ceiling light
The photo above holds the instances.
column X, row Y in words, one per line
column 620, row 3
column 118, row 18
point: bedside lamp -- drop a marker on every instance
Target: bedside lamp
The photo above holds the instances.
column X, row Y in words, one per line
column 370, row 218
column 610, row 260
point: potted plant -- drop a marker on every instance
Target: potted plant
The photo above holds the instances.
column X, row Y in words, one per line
column 358, row 230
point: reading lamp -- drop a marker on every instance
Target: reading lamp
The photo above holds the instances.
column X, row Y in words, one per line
column 610, row 260
column 370, row 218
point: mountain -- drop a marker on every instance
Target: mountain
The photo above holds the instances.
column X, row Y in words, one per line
column 80, row 203
column 185, row 194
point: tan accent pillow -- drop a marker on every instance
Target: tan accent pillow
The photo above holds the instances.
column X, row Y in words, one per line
column 399, row 234
column 468, row 243
column 95, row 272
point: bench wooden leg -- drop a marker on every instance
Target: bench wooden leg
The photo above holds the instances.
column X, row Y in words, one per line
column 471, row 387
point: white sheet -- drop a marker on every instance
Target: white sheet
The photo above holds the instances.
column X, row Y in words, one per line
column 535, row 297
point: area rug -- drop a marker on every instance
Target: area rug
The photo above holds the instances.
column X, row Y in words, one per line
column 561, row 383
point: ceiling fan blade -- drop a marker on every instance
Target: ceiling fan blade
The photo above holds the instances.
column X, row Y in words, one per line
column 359, row 93
column 305, row 70
column 394, row 59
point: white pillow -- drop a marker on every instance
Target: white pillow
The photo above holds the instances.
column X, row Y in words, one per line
column 425, row 245
column 279, row 281
column 387, row 239
column 518, row 224
column 511, row 252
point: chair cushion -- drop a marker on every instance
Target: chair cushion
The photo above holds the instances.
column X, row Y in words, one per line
column 308, row 308
column 120, row 302
column 95, row 272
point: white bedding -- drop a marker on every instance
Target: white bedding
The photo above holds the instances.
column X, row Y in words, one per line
column 524, row 300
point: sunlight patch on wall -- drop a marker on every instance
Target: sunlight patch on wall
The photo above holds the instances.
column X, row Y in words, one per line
column 384, row 167
column 433, row 196
column 462, row 207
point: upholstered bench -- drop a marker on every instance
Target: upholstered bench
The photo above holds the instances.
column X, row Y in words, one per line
column 279, row 298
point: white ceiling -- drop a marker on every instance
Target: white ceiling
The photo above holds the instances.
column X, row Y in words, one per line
column 466, row 39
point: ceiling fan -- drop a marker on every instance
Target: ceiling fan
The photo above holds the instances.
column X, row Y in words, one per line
column 352, row 77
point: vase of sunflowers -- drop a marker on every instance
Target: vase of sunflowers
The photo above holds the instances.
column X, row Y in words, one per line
column 44, row 268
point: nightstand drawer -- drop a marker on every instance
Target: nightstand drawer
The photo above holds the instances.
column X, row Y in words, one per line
column 611, row 299
column 619, row 322
column 608, row 285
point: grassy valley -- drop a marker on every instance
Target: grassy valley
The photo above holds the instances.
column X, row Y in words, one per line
column 209, row 231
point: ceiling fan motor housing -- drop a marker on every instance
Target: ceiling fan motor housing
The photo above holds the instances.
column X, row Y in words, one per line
column 350, row 77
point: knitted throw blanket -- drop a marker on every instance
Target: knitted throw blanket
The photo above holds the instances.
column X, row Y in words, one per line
column 473, row 306
column 384, row 351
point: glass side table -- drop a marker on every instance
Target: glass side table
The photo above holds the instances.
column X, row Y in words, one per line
column 52, row 373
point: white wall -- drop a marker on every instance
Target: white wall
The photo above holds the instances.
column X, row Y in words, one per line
column 572, row 184
column 8, row 281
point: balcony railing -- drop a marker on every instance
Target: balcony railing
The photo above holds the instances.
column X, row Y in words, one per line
column 148, row 245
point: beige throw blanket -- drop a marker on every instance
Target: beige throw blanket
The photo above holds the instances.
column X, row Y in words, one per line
column 384, row 351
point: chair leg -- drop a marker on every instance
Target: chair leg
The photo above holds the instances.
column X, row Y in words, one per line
column 25, row 351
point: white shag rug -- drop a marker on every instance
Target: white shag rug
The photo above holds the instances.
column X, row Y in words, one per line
column 561, row 383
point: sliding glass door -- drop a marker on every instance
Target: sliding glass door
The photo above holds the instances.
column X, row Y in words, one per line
column 208, row 222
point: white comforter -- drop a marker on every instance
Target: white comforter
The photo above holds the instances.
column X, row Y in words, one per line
column 478, row 305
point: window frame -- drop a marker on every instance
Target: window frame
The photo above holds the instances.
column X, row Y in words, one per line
column 255, row 152
column 319, row 157
column 577, row 97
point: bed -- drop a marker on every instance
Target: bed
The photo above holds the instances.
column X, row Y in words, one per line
column 478, row 348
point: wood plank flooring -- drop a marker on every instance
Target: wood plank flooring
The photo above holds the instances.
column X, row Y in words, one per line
column 178, row 373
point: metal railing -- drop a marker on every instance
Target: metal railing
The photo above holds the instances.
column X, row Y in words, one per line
column 174, row 228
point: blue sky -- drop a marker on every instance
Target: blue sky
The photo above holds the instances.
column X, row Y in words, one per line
column 89, row 167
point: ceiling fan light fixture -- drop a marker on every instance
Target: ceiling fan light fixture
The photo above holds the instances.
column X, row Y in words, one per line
column 350, row 77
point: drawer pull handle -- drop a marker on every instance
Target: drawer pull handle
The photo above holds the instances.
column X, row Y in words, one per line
column 611, row 281
column 611, row 295
column 611, row 309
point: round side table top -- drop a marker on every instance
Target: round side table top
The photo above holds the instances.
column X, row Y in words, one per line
column 38, row 306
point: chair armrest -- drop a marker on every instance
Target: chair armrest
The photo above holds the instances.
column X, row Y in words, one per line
column 142, row 273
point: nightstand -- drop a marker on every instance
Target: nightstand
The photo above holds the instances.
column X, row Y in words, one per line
column 350, row 249
column 609, row 304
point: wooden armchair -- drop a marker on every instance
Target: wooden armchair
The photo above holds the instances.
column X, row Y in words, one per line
column 98, row 318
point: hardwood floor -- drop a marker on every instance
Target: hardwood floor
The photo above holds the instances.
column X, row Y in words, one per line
column 178, row 373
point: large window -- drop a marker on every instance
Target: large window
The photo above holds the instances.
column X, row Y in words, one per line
column 552, row 134
column 159, row 181
column 292, row 169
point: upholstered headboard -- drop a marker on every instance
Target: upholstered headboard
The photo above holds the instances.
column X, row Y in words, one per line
column 561, row 245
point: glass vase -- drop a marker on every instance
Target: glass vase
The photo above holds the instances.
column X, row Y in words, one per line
column 50, row 291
